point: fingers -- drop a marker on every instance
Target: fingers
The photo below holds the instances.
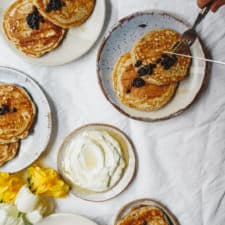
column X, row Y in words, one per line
column 202, row 3
column 217, row 5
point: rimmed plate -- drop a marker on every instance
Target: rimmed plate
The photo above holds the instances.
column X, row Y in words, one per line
column 68, row 219
column 145, row 202
column 76, row 43
column 121, row 39
column 128, row 174
column 36, row 142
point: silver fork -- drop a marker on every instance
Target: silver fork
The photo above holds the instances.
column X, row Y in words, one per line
column 190, row 35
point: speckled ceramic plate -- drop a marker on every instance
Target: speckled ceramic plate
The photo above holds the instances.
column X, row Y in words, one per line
column 77, row 42
column 121, row 39
column 146, row 202
column 67, row 219
column 122, row 183
column 38, row 139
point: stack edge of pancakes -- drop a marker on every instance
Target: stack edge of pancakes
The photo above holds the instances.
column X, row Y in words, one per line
column 36, row 27
column 17, row 115
column 145, row 215
column 145, row 78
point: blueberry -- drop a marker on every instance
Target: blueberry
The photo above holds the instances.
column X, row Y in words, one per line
column 144, row 222
column 1, row 111
column 166, row 67
column 54, row 5
column 138, row 82
column 138, row 63
column 146, row 70
column 4, row 109
column 159, row 60
column 142, row 25
column 164, row 56
column 142, row 72
column 128, row 91
column 149, row 68
column 33, row 19
column 167, row 61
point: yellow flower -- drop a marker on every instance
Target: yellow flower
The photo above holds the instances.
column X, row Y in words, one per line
column 46, row 181
column 10, row 185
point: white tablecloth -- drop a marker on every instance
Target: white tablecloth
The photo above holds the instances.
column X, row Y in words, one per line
column 181, row 161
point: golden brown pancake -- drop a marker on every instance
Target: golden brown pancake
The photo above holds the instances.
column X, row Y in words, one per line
column 146, row 215
column 8, row 152
column 17, row 113
column 32, row 42
column 146, row 98
column 151, row 46
column 72, row 13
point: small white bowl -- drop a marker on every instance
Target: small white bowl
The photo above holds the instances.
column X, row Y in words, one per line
column 125, row 180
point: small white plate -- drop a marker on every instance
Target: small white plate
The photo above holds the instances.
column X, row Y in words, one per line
column 65, row 219
column 76, row 43
column 123, row 182
column 146, row 202
column 37, row 141
column 121, row 39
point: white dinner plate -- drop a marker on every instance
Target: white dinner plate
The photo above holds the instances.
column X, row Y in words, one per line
column 121, row 40
column 37, row 141
column 146, row 202
column 121, row 185
column 76, row 43
column 65, row 219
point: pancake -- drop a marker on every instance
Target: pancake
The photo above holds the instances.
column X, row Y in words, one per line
column 31, row 42
column 146, row 215
column 8, row 152
column 146, row 98
column 71, row 13
column 149, row 49
column 17, row 113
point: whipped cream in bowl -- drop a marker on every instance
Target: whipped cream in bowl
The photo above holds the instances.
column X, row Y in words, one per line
column 98, row 161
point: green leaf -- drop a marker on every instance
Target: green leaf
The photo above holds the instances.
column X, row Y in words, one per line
column 23, row 216
column 19, row 214
column 26, row 222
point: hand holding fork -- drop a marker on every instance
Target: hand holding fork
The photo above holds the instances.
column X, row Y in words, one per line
column 216, row 4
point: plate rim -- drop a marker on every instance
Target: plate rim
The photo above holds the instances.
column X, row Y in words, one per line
column 50, row 121
column 132, row 149
column 98, row 69
column 68, row 214
column 141, row 202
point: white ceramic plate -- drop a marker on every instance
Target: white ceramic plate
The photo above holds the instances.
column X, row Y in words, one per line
column 146, row 202
column 128, row 173
column 66, row 219
column 121, row 39
column 77, row 42
column 37, row 141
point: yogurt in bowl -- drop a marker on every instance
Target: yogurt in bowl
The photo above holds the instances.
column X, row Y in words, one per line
column 98, row 161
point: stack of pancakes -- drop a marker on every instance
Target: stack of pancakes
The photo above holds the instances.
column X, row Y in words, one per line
column 17, row 114
column 50, row 20
column 155, row 83
column 145, row 215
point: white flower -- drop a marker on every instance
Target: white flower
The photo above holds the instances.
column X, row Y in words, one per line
column 3, row 217
column 34, row 217
column 27, row 208
column 9, row 215
column 25, row 200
